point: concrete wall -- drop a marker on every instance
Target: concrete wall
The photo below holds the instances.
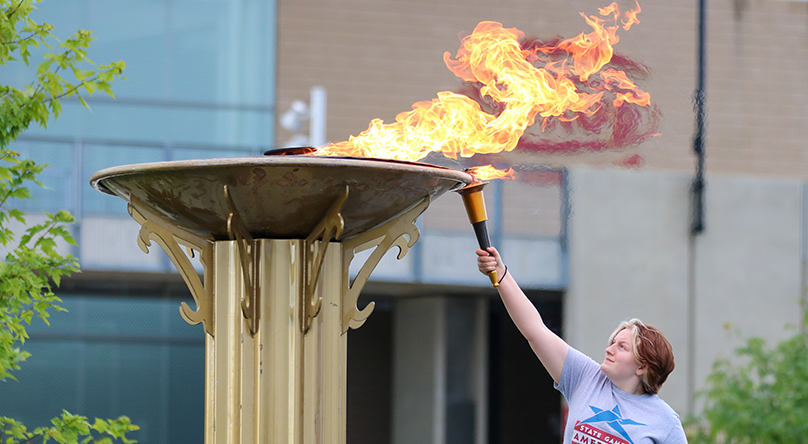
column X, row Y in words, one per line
column 748, row 267
column 631, row 256
column 419, row 363
column 440, row 370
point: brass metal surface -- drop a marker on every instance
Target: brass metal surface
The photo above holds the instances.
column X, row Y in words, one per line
column 278, row 197
column 248, row 255
column 280, row 385
column 400, row 232
column 276, row 237
column 155, row 227
column 330, row 227
column 474, row 202
column 492, row 276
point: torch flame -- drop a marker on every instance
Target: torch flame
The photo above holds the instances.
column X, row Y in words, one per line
column 489, row 172
column 455, row 125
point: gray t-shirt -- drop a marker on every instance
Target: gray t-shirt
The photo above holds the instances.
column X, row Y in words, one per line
column 601, row 413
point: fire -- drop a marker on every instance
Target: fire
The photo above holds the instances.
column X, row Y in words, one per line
column 546, row 82
column 617, row 80
column 489, row 172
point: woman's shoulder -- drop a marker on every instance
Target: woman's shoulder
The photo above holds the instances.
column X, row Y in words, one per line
column 581, row 362
column 580, row 367
column 661, row 408
column 668, row 420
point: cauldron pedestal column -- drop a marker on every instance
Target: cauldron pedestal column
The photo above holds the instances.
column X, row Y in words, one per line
column 276, row 347
column 276, row 310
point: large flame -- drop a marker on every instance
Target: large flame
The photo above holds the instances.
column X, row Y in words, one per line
column 455, row 125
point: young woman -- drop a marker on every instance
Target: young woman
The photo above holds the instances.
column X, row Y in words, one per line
column 615, row 402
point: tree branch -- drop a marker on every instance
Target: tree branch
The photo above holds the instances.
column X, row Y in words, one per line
column 3, row 200
column 12, row 42
column 66, row 93
column 15, row 10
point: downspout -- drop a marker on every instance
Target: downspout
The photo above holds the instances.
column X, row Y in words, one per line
column 697, row 224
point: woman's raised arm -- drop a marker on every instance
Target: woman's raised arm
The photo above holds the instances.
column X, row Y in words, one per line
column 550, row 349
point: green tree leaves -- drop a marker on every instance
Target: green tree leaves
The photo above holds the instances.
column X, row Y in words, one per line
column 29, row 269
column 38, row 101
column 68, row 429
column 762, row 400
column 36, row 261
column 27, row 275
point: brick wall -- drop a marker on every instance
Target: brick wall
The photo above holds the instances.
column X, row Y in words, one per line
column 378, row 57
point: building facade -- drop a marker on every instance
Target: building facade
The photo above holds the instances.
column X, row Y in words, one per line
column 594, row 238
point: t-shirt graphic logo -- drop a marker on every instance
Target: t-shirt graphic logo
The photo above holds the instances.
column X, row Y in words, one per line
column 614, row 419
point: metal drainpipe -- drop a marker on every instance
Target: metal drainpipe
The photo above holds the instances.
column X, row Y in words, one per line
column 563, row 235
column 697, row 189
column 697, row 224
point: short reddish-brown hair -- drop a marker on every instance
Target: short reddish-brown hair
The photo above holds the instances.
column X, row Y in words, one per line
column 652, row 350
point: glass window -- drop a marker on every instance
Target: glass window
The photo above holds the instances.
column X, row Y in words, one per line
column 108, row 357
column 199, row 71
column 202, row 153
column 59, row 178
column 98, row 157
column 200, row 85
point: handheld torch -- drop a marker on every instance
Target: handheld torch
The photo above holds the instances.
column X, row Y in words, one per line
column 472, row 195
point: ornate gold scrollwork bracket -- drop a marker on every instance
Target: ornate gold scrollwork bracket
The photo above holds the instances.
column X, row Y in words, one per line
column 329, row 227
column 383, row 238
column 248, row 255
column 154, row 227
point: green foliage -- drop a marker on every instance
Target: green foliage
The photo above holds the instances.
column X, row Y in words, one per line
column 762, row 400
column 28, row 270
column 68, row 429
column 34, row 262
column 27, row 275
column 39, row 100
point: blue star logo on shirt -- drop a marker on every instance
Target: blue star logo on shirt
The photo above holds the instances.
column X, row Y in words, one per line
column 613, row 418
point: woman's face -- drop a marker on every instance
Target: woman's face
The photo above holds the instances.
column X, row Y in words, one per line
column 619, row 363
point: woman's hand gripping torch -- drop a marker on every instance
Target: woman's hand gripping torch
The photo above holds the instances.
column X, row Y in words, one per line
column 472, row 195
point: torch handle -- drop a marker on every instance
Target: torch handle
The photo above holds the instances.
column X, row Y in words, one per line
column 481, row 231
column 475, row 208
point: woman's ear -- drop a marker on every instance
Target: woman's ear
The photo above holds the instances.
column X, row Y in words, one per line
column 640, row 370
